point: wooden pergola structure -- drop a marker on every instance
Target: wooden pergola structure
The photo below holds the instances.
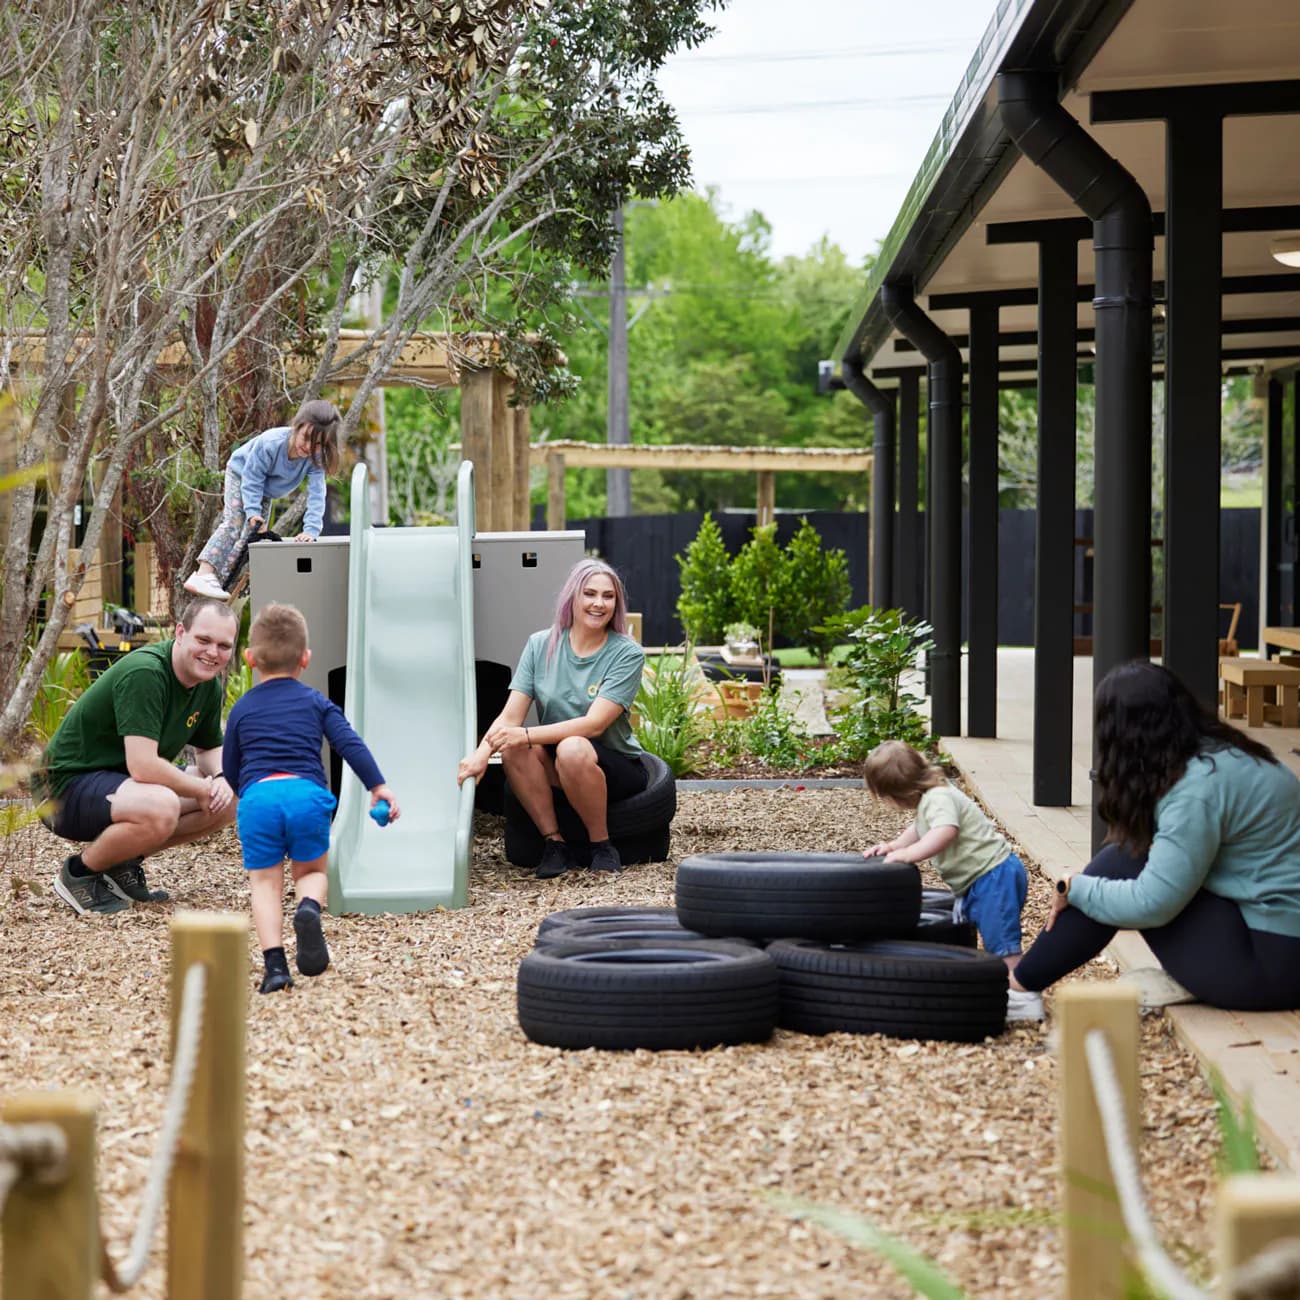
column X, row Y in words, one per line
column 764, row 462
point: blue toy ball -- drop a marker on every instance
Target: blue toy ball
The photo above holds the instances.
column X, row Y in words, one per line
column 380, row 812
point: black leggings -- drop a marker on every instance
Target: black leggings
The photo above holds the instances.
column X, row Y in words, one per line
column 1208, row 948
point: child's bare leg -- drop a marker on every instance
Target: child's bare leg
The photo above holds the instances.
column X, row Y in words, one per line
column 266, row 892
column 311, row 887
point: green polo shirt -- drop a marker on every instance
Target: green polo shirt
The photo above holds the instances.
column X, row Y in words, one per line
column 565, row 687
column 139, row 695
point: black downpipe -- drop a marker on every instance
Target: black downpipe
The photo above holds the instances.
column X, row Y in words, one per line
column 882, row 479
column 1122, row 239
column 943, row 434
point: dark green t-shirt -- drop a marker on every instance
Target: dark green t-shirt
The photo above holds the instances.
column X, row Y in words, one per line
column 138, row 696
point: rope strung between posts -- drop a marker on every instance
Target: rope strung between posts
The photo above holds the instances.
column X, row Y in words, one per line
column 37, row 1150
column 1160, row 1270
column 189, row 1028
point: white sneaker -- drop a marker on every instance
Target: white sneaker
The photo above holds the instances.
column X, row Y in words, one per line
column 1025, row 1006
column 205, row 584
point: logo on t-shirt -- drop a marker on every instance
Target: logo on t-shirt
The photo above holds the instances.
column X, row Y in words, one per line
column 191, row 720
column 594, row 689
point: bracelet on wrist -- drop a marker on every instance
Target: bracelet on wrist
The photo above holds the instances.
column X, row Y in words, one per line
column 528, row 738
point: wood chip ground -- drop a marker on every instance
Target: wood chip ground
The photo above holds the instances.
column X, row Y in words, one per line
column 405, row 1140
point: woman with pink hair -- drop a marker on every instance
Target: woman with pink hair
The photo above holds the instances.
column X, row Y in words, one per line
column 582, row 673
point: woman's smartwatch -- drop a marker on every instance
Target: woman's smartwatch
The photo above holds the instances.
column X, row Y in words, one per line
column 1063, row 886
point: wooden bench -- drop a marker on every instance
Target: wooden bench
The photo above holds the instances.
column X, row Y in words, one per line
column 1250, row 687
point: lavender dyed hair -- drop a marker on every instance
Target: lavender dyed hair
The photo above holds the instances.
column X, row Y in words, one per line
column 579, row 576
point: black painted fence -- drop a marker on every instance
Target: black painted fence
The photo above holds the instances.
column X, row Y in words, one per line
column 644, row 549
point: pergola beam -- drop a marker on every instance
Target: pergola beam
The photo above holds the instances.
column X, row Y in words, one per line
column 595, row 455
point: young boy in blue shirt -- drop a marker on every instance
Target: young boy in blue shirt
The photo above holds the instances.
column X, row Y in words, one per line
column 272, row 758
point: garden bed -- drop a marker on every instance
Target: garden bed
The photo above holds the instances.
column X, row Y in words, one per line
column 405, row 1139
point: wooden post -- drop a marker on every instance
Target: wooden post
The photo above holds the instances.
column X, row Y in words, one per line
column 555, row 491
column 523, row 429
column 476, row 438
column 1254, row 1210
column 766, row 511
column 502, row 465
column 51, row 1230
column 1096, row 1245
column 205, row 1249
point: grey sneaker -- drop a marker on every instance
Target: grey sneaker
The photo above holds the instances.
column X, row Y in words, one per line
column 604, row 857
column 85, row 894
column 556, row 860
column 127, row 881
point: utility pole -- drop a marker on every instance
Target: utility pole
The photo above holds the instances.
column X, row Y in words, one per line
column 618, row 432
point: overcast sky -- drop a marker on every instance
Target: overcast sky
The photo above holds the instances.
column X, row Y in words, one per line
column 819, row 112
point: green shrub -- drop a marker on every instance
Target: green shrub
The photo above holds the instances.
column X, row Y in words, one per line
column 759, row 587
column 668, row 723
column 774, row 735
column 705, row 605
column 65, row 677
column 239, row 681
column 883, row 645
column 817, row 584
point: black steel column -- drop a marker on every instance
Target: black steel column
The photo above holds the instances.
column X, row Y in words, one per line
column 907, row 586
column 927, row 505
column 881, row 406
column 982, row 538
column 1193, row 290
column 1271, row 606
column 1058, row 263
column 943, row 453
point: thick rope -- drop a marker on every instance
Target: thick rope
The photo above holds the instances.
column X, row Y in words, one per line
column 1160, row 1270
column 188, row 1031
column 38, row 1150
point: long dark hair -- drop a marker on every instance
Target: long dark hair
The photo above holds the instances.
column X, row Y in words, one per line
column 1146, row 727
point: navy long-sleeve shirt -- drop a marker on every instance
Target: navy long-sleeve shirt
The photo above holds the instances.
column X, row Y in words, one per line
column 278, row 727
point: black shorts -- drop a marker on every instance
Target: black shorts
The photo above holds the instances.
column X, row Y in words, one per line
column 83, row 811
column 625, row 774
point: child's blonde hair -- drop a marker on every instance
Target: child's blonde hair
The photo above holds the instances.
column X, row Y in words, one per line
column 323, row 419
column 894, row 770
column 278, row 638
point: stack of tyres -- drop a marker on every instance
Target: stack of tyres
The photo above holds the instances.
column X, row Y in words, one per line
column 851, row 939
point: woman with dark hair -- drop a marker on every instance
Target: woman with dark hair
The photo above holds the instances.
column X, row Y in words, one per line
column 583, row 673
column 1203, row 854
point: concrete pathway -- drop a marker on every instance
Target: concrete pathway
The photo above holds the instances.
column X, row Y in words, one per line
column 1258, row 1055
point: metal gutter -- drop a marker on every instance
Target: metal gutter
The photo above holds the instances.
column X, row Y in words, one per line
column 971, row 153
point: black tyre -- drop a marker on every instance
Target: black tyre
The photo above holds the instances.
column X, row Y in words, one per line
column 639, row 826
column 647, row 993
column 835, row 897
column 606, row 916
column 939, row 927
column 937, row 900
column 617, row 936
column 902, row 988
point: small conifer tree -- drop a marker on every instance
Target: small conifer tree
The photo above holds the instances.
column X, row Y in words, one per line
column 705, row 604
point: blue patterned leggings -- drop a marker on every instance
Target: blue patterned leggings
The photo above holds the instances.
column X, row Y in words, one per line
column 224, row 542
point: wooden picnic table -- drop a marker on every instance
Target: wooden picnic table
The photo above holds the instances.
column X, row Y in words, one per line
column 1288, row 638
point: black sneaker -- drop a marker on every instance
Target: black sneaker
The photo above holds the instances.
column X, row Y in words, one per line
column 312, row 956
column 127, row 881
column 556, row 860
column 275, row 980
column 87, row 894
column 604, row 857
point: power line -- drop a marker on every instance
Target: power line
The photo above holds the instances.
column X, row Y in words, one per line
column 816, row 56
column 822, row 105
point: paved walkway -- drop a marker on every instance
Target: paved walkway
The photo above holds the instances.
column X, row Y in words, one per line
column 1257, row 1054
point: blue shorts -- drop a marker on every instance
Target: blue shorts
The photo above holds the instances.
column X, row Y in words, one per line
column 285, row 817
column 993, row 905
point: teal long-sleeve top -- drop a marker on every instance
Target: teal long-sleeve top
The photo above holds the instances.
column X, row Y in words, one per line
column 266, row 472
column 1231, row 825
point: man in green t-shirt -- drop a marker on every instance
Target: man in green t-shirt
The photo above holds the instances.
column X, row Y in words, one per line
column 110, row 772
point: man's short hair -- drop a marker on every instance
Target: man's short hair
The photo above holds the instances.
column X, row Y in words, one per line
column 278, row 638
column 191, row 612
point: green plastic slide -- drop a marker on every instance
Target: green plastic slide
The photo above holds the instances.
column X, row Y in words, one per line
column 410, row 695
